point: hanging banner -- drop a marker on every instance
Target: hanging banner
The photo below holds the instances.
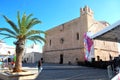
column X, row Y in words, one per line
column 117, row 77
column 89, row 47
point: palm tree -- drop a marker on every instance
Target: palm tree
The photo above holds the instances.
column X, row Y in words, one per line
column 21, row 33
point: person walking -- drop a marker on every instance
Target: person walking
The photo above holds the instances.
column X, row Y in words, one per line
column 39, row 66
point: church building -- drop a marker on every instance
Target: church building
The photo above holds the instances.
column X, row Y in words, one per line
column 65, row 42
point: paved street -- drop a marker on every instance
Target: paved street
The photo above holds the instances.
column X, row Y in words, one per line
column 70, row 72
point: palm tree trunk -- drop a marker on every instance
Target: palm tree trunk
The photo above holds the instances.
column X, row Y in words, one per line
column 20, row 45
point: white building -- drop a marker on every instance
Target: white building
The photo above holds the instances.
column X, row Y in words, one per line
column 32, row 54
column 6, row 49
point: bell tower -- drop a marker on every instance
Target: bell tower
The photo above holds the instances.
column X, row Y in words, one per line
column 87, row 17
column 86, row 11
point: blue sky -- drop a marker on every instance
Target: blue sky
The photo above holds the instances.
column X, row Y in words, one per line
column 56, row 12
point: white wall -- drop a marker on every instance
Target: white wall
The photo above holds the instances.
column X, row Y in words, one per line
column 32, row 54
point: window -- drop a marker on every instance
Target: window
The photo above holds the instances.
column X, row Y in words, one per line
column 61, row 40
column 62, row 27
column 50, row 42
column 77, row 36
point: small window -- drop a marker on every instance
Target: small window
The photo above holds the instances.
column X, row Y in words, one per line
column 50, row 42
column 77, row 36
column 61, row 40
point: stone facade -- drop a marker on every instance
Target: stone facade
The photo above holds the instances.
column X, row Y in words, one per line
column 65, row 42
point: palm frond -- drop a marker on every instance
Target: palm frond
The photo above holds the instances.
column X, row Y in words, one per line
column 8, row 30
column 18, row 18
column 23, row 22
column 23, row 30
column 37, row 38
column 33, row 41
column 8, row 35
column 33, row 32
column 12, row 24
column 28, row 18
column 32, row 22
column 39, row 41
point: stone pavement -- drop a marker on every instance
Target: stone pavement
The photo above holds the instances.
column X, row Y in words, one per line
column 71, row 72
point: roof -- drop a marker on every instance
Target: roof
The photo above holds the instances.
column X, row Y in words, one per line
column 110, row 33
column 104, row 23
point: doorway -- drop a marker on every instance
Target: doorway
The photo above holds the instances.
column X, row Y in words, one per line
column 61, row 58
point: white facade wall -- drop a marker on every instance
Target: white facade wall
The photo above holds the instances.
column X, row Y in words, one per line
column 4, row 49
column 32, row 54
